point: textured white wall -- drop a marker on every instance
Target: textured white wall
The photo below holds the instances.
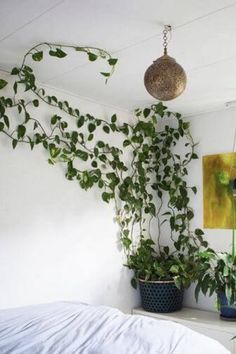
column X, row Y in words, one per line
column 215, row 134
column 57, row 242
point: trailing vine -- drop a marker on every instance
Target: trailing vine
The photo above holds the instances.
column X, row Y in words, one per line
column 146, row 177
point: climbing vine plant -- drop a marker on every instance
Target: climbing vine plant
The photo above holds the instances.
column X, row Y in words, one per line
column 145, row 176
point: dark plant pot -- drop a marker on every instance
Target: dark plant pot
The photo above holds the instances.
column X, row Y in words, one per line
column 227, row 312
column 160, row 296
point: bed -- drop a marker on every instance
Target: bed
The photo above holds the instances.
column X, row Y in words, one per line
column 70, row 327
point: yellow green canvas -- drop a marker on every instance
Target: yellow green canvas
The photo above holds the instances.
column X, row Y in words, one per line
column 218, row 173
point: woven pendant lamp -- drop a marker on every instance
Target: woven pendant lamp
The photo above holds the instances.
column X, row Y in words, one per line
column 165, row 79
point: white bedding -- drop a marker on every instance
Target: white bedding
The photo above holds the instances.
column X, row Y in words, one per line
column 66, row 328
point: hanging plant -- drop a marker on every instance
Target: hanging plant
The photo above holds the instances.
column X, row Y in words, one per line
column 146, row 177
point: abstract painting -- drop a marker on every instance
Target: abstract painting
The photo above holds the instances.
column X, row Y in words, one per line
column 219, row 171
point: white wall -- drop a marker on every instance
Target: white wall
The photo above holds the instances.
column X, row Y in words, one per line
column 215, row 134
column 57, row 242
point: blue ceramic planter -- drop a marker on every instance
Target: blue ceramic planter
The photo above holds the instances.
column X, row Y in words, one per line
column 226, row 311
column 160, row 296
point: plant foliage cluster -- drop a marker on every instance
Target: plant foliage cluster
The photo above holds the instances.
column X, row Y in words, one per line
column 217, row 274
column 146, row 177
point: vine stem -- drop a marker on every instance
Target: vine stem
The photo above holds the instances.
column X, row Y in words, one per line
column 76, row 47
column 159, row 224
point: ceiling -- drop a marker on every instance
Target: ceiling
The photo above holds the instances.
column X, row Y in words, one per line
column 203, row 42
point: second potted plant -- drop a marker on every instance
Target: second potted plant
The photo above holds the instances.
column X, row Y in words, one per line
column 218, row 275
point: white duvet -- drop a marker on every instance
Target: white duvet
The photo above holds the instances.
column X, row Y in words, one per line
column 66, row 328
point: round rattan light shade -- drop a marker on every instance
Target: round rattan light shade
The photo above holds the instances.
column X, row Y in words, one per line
column 165, row 79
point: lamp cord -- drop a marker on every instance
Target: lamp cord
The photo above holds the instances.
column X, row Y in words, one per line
column 166, row 31
column 233, row 198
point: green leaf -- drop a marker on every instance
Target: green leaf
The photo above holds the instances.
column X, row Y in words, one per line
column 28, row 69
column 6, row 121
column 54, row 119
column 35, row 103
column 106, row 129
column 27, row 117
column 166, row 250
column 14, row 143
column 57, row 139
column 126, row 242
column 63, row 125
column 126, row 232
column 197, row 291
column 83, row 155
column 146, row 112
column 96, row 151
column 80, row 122
column 94, row 164
column 15, row 71
column 77, row 112
column 114, row 118
column 57, row 53
column 92, row 56
column 51, row 162
column 1, row 126
column 126, row 143
column 61, row 53
column 102, row 157
column 194, row 156
column 105, row 74
column 152, row 209
column 53, row 98
column 167, row 213
column 31, row 144
column 21, row 131
column 177, row 245
column 100, row 184
column 106, row 197
column 113, row 127
column 3, row 83
column 91, row 127
column 190, row 214
column 15, row 88
column 38, row 56
column 174, row 269
column 112, row 61
column 100, row 144
column 186, row 125
column 74, row 137
column 8, row 102
column 134, row 283
column 45, row 144
column 54, row 151
column 199, row 232
column 178, row 282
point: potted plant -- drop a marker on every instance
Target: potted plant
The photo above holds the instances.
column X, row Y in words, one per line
column 156, row 192
column 218, row 275
column 162, row 277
